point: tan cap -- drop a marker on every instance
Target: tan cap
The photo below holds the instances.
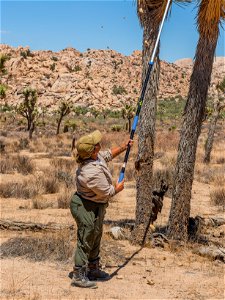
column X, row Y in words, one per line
column 85, row 145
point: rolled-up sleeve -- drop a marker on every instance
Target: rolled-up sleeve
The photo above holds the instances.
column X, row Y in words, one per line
column 97, row 182
column 107, row 155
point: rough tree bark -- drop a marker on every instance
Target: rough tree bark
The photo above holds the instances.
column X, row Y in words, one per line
column 191, row 128
column 146, row 138
column 218, row 106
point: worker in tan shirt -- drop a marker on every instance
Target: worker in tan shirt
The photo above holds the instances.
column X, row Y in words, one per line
column 88, row 206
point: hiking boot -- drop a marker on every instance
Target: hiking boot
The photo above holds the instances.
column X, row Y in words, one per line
column 80, row 278
column 95, row 272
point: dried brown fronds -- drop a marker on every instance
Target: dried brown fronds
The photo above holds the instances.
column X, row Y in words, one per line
column 210, row 15
column 152, row 10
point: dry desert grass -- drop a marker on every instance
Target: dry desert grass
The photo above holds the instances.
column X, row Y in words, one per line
column 36, row 186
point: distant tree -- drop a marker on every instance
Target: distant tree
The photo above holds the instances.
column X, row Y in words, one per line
column 128, row 113
column 3, row 59
column 218, row 105
column 95, row 112
column 3, row 89
column 80, row 110
column 63, row 110
column 118, row 90
column 28, row 109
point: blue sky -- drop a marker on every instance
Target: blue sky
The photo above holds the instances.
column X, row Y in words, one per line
column 55, row 25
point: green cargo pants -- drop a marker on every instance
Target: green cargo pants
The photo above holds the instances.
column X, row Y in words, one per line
column 89, row 217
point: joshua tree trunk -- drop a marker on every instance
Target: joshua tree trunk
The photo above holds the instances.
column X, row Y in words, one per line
column 129, row 124
column 58, row 124
column 31, row 130
column 146, row 134
column 212, row 129
column 191, row 128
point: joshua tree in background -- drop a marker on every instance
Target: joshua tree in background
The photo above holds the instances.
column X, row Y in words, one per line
column 3, row 59
column 128, row 113
column 3, row 89
column 210, row 14
column 63, row 110
column 218, row 105
column 28, row 109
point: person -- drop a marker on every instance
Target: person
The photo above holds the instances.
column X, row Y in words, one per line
column 88, row 206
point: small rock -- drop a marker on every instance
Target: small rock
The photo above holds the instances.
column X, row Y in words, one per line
column 150, row 282
column 119, row 277
column 117, row 233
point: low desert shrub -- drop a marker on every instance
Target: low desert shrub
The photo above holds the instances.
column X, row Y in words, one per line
column 23, row 143
column 116, row 127
column 18, row 163
column 48, row 246
column 220, row 160
column 41, row 203
column 25, row 190
column 65, row 178
column 6, row 166
column 63, row 164
column 23, row 164
column 64, row 198
column 118, row 90
column 50, row 184
column 218, row 197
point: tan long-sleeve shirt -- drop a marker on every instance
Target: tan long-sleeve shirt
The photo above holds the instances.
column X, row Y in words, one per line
column 94, row 180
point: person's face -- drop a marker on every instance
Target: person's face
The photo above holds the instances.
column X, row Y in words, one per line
column 96, row 151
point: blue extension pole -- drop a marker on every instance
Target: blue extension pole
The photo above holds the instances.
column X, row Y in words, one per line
column 140, row 100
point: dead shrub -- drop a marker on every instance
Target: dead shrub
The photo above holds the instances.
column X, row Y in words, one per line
column 6, row 165
column 218, row 197
column 168, row 161
column 65, row 178
column 64, row 198
column 23, row 143
column 21, row 164
column 37, row 145
column 25, row 190
column 41, row 203
column 65, row 165
column 49, row 246
column 50, row 184
column 220, row 160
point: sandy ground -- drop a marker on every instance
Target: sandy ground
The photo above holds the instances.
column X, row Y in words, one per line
column 148, row 273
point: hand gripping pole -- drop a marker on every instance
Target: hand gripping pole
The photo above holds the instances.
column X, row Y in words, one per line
column 144, row 87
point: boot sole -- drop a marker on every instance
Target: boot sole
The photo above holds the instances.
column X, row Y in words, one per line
column 84, row 287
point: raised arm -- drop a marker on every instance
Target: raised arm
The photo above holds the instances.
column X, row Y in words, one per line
column 118, row 150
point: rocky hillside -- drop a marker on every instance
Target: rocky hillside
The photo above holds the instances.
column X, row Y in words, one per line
column 95, row 78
